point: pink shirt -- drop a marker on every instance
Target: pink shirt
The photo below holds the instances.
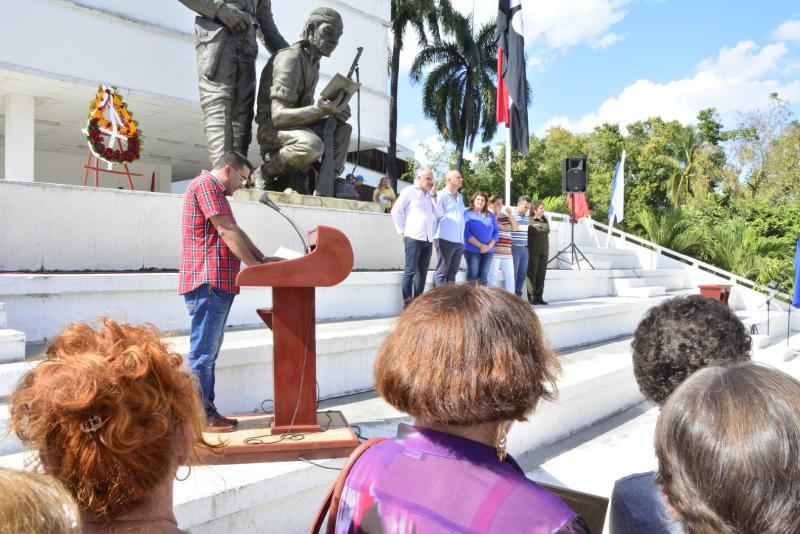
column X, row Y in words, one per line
column 416, row 213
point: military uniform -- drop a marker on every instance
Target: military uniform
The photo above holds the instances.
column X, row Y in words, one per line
column 226, row 64
column 538, row 249
column 291, row 77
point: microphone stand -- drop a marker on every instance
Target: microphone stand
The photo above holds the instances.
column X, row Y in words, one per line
column 303, row 237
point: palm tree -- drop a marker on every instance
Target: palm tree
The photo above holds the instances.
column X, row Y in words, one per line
column 419, row 14
column 736, row 247
column 459, row 92
column 671, row 229
column 683, row 166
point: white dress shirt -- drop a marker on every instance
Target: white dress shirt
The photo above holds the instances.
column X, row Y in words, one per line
column 416, row 213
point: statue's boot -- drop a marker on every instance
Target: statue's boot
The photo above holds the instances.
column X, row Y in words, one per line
column 214, row 126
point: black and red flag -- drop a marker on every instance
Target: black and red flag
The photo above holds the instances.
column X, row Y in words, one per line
column 512, row 93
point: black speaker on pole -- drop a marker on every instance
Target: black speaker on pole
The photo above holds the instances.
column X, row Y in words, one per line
column 573, row 175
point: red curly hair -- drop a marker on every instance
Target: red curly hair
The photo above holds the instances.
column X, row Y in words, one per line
column 138, row 389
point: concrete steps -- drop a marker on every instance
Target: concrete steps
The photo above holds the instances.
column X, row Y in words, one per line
column 346, row 350
column 601, row 258
column 765, row 329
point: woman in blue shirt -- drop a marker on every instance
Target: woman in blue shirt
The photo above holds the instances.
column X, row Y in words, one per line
column 480, row 235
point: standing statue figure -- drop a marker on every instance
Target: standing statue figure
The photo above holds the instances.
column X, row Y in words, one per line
column 290, row 122
column 226, row 63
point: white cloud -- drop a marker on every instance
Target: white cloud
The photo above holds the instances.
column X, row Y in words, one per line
column 566, row 23
column 561, row 24
column 408, row 132
column 788, row 31
column 731, row 82
column 743, row 62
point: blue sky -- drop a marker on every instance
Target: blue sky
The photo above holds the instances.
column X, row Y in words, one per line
column 594, row 61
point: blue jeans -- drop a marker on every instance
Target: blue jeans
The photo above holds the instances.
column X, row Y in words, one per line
column 208, row 307
column 478, row 267
column 415, row 273
column 520, row 255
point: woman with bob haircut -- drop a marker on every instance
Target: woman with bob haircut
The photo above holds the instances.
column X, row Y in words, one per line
column 112, row 412
column 727, row 442
column 32, row 503
column 466, row 362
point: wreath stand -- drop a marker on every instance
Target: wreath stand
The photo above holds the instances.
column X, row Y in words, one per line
column 105, row 133
column 89, row 166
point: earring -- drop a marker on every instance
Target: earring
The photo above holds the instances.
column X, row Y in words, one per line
column 188, row 474
column 500, row 442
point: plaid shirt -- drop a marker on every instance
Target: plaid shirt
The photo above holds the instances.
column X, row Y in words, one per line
column 205, row 258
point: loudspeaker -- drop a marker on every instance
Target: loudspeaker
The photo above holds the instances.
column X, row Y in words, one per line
column 573, row 175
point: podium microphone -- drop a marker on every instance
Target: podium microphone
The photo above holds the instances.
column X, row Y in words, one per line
column 303, row 237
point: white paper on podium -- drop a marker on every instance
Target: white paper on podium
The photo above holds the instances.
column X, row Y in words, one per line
column 287, row 254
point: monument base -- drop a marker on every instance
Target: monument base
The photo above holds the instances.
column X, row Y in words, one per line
column 254, row 441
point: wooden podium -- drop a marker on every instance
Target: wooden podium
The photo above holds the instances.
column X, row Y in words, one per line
column 292, row 321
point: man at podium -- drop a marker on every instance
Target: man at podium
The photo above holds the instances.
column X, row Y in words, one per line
column 212, row 249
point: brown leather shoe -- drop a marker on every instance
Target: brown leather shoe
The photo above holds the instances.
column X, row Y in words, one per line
column 218, row 424
column 234, row 422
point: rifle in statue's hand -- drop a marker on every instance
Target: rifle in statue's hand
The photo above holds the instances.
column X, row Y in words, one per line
column 332, row 91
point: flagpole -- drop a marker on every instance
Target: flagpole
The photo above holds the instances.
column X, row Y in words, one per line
column 508, row 165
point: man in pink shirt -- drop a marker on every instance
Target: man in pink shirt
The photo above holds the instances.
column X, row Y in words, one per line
column 415, row 217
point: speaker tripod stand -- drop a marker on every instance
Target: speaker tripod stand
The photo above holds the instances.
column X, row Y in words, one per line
column 572, row 251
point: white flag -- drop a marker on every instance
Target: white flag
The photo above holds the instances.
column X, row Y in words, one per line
column 617, row 209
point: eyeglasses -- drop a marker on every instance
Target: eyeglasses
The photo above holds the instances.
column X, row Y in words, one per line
column 242, row 178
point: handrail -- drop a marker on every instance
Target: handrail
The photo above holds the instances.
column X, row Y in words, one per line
column 697, row 264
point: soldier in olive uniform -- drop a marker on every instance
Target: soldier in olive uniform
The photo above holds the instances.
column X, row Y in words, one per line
column 538, row 249
column 226, row 63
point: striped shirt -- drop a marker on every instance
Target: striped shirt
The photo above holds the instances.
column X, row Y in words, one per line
column 503, row 245
column 519, row 238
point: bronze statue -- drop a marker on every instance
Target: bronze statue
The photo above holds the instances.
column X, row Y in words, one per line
column 290, row 123
column 226, row 58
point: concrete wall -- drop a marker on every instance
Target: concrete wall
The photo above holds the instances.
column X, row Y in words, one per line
column 57, row 167
column 62, row 39
column 66, row 228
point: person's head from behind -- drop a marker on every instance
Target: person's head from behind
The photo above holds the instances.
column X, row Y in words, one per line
column 727, row 442
column 112, row 412
column 682, row 335
column 233, row 170
column 33, row 503
column 464, row 355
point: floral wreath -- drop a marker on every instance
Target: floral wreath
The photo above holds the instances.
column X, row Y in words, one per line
column 120, row 126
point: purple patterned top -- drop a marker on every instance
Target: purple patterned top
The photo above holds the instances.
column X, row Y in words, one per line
column 424, row 481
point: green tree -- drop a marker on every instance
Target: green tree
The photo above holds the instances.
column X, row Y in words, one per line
column 423, row 16
column 756, row 159
column 682, row 167
column 459, row 91
column 737, row 247
column 671, row 229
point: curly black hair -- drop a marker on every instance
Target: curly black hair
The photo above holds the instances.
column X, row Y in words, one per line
column 680, row 336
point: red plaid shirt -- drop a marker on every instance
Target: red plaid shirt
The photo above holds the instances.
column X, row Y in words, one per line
column 205, row 258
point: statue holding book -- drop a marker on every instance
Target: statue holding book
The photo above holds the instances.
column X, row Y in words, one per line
column 294, row 130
